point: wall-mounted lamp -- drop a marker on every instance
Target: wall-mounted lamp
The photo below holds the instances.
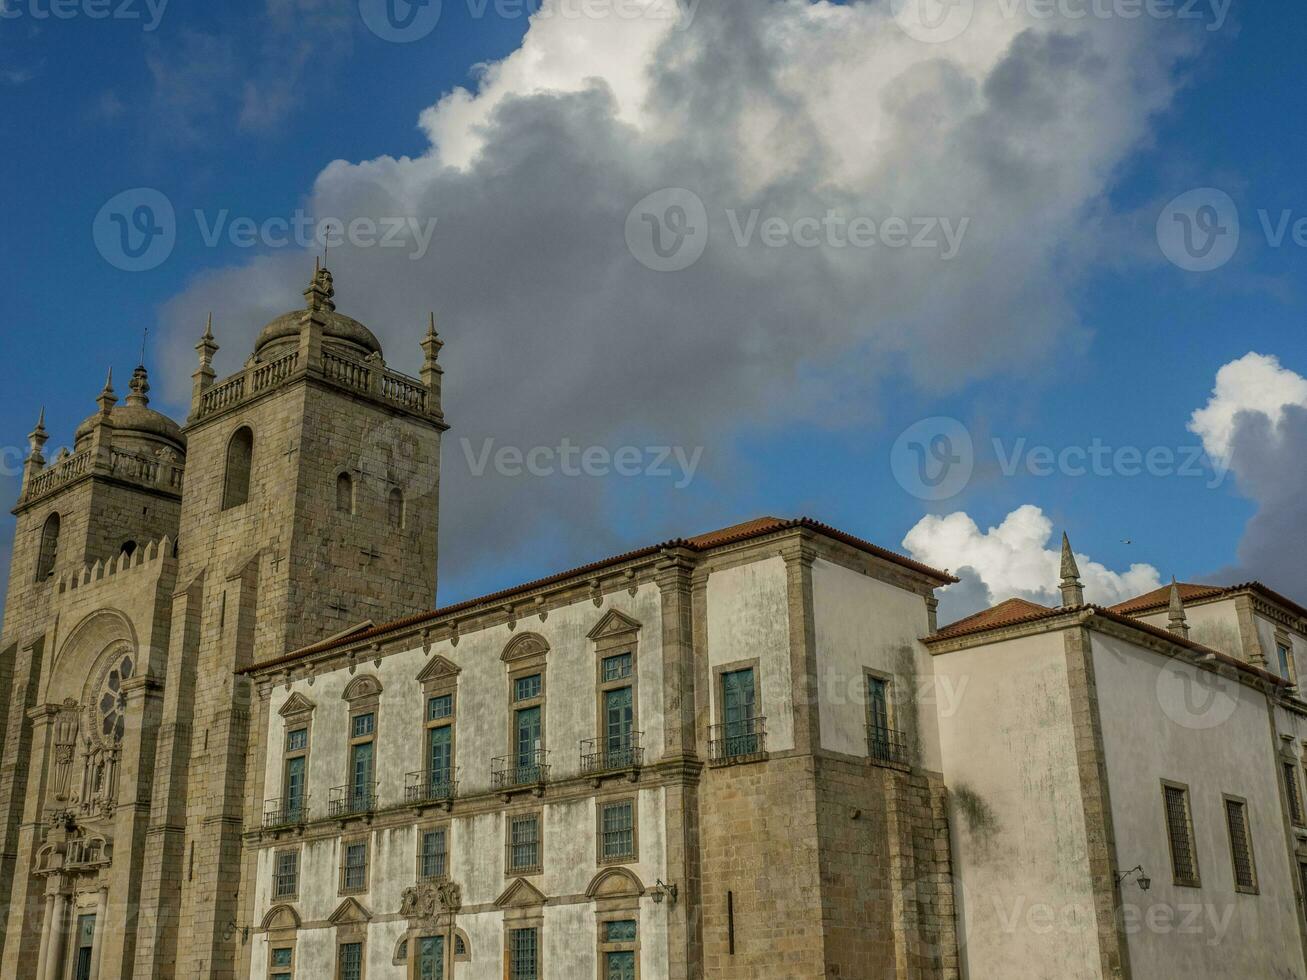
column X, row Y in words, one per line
column 1145, row 882
column 229, row 932
column 661, row 890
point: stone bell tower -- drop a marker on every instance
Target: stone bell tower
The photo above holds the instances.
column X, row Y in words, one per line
column 309, row 508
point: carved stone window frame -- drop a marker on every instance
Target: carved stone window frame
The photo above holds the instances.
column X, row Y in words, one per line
column 427, row 827
column 346, row 843
column 281, row 930
column 529, row 871
column 526, row 654
column 363, row 694
column 601, row 802
column 439, row 678
column 277, row 855
column 615, row 634
column 297, row 713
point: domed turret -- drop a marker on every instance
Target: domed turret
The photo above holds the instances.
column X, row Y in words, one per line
column 339, row 330
column 136, row 426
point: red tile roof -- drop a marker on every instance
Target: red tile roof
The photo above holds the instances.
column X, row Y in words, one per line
column 1160, row 598
column 702, row 542
column 976, row 625
column 1004, row 614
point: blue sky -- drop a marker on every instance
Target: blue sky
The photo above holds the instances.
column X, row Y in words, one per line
column 239, row 107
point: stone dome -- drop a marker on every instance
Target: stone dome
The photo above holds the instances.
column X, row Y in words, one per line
column 340, row 329
column 135, row 424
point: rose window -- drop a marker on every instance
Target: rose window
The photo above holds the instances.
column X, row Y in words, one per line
column 112, row 702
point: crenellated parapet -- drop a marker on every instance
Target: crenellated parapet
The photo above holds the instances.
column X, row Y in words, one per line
column 154, row 556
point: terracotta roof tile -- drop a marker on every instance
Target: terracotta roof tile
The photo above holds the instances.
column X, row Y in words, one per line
column 702, row 542
column 1005, row 613
column 1160, row 598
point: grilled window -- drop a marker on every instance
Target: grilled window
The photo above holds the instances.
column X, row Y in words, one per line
column 354, row 876
column 1179, row 827
column 434, row 854
column 286, row 878
column 524, row 843
column 1292, row 792
column 524, row 954
column 351, row 961
column 618, row 830
column 1241, row 851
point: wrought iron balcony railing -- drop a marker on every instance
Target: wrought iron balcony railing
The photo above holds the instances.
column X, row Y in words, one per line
column 887, row 746
column 529, row 769
column 431, row 785
column 613, row 754
column 737, row 739
column 348, row 801
column 285, row 812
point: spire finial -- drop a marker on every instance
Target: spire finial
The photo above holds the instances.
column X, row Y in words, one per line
column 1177, row 620
column 1073, row 591
column 208, row 327
column 321, row 289
column 140, row 388
column 107, row 398
column 144, row 337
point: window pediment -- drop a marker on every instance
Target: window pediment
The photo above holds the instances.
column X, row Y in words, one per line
column 614, row 623
column 350, row 912
column 296, row 704
column 363, row 686
column 525, row 647
column 519, row 895
column 437, row 669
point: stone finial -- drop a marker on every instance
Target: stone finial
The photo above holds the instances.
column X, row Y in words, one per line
column 108, row 399
column 140, row 387
column 321, row 289
column 1073, row 591
column 431, row 369
column 1178, row 622
column 204, row 376
column 37, row 439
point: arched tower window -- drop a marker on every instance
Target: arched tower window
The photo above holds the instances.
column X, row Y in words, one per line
column 49, row 548
column 345, row 493
column 396, row 508
column 240, row 455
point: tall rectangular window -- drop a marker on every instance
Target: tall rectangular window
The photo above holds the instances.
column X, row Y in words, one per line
column 878, row 704
column 529, row 726
column 1283, row 653
column 440, row 754
column 1241, row 848
column 1293, row 794
column 524, row 954
column 1179, row 828
column 617, row 831
column 286, row 879
column 351, row 961
column 434, row 854
column 619, row 723
column 740, row 712
column 431, row 958
column 293, row 774
column 354, row 872
column 524, row 844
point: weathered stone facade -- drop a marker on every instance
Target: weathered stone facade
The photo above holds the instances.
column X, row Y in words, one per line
column 239, row 741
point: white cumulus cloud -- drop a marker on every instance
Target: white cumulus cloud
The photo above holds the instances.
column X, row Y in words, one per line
column 781, row 108
column 1254, row 384
column 1021, row 558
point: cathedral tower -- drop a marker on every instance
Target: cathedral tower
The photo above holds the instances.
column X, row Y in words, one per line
column 310, row 508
